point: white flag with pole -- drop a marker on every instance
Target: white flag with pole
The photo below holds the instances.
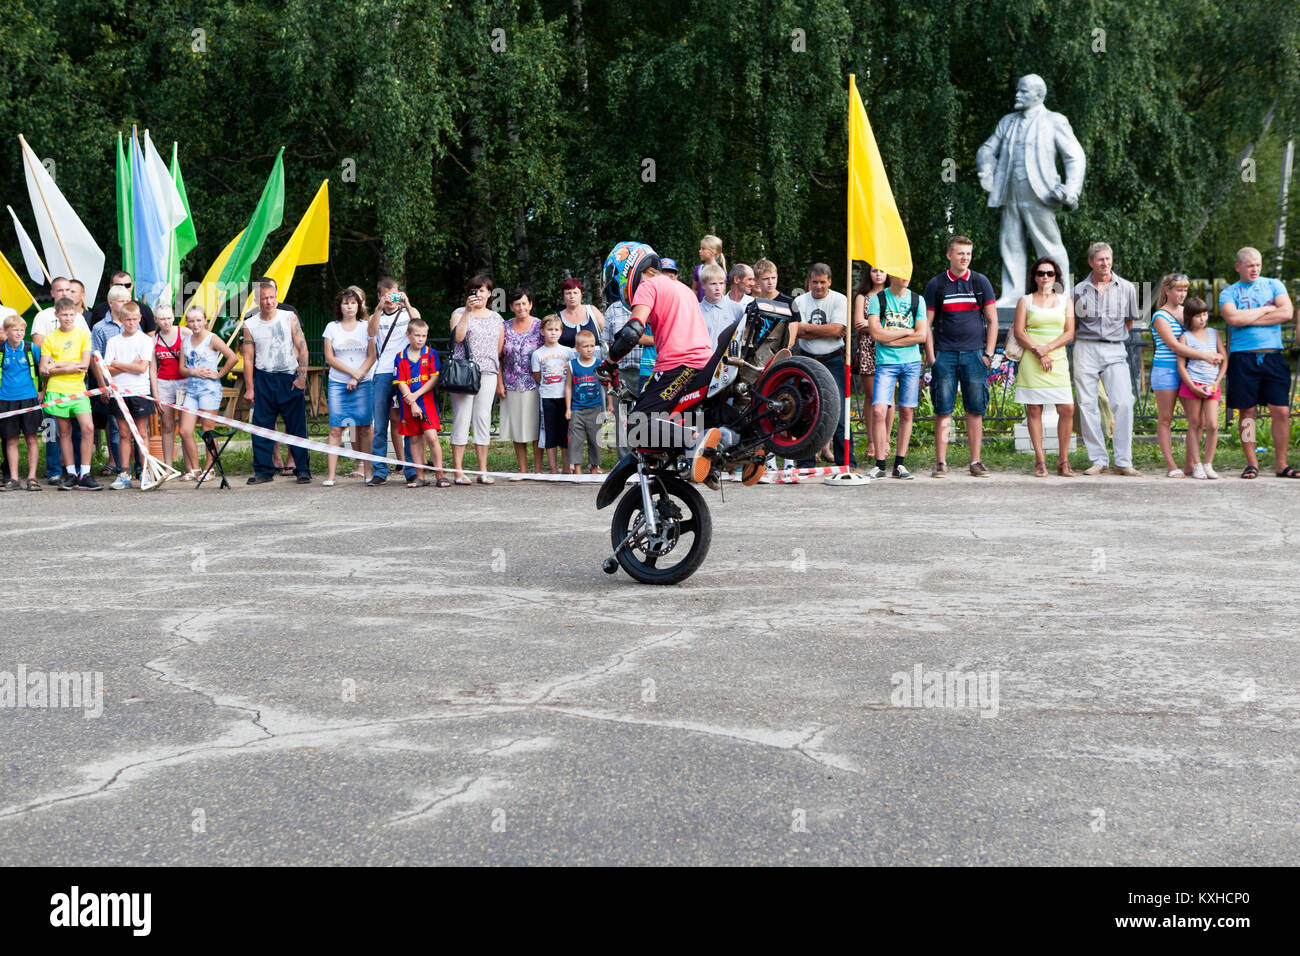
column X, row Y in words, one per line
column 31, row 258
column 70, row 250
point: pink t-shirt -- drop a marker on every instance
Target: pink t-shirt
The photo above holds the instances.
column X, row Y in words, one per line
column 681, row 337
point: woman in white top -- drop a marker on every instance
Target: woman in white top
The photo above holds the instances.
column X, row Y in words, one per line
column 350, row 354
column 204, row 351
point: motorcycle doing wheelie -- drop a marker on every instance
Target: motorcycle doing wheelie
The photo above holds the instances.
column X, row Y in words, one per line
column 761, row 398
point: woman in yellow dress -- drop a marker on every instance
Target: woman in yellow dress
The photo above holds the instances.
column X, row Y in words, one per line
column 1044, row 325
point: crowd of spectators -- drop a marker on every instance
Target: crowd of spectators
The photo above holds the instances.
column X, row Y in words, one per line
column 383, row 375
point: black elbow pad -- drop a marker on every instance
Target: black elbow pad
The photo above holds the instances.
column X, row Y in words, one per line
column 626, row 339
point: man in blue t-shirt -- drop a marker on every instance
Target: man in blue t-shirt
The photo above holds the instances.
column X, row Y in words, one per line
column 1255, row 309
column 963, row 332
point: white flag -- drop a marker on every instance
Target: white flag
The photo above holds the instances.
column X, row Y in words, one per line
column 31, row 258
column 166, row 196
column 70, row 250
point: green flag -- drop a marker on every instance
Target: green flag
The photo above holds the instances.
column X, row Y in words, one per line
column 184, row 236
column 266, row 218
column 125, row 218
column 182, row 239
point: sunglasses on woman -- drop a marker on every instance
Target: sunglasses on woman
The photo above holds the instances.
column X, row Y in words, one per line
column 1041, row 274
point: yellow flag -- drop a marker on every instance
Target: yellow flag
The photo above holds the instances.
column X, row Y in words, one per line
column 876, row 233
column 12, row 291
column 309, row 245
column 209, row 296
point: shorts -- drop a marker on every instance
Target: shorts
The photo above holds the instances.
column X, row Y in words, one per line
column 1164, row 378
column 908, row 378
column 1185, row 392
column 951, row 367
column 29, row 424
column 555, row 427
column 202, row 395
column 168, row 389
column 1258, row 378
column 67, row 409
column 138, row 407
column 351, row 408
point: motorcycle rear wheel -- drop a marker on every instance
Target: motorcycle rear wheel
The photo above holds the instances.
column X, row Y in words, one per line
column 810, row 402
column 686, row 529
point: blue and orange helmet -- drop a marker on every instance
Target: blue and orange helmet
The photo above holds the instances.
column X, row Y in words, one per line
column 624, row 267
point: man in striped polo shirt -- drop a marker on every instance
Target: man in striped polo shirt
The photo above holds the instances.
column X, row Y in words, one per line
column 962, row 315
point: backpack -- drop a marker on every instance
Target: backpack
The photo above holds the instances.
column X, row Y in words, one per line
column 916, row 302
column 33, row 366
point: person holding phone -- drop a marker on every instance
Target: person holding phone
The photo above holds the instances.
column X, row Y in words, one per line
column 484, row 331
column 388, row 330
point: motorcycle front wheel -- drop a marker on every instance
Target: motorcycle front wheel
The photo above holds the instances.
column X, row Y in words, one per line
column 682, row 542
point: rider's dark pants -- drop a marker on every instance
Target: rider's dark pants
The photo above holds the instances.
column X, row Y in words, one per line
column 667, row 392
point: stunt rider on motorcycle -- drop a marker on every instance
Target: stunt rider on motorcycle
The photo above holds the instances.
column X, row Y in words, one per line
column 681, row 373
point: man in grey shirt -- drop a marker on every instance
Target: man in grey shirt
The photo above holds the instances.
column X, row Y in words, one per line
column 1105, row 308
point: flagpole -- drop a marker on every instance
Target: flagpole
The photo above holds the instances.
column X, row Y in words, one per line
column 39, row 262
column 49, row 215
column 846, row 476
column 848, row 328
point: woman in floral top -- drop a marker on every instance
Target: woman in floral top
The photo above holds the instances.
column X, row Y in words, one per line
column 484, row 331
column 521, row 408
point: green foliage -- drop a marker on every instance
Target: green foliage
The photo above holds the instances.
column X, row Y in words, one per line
column 514, row 135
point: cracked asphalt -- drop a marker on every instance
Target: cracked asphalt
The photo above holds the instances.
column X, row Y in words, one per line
column 384, row 676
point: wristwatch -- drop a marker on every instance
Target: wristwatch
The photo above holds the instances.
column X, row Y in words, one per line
column 989, row 356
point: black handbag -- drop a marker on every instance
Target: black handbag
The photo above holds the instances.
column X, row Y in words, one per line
column 461, row 374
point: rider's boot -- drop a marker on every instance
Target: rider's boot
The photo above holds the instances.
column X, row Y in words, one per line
column 705, row 451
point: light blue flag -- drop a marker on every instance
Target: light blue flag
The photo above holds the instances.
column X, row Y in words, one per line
column 151, row 245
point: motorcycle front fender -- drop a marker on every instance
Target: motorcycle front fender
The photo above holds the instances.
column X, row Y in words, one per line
column 615, row 480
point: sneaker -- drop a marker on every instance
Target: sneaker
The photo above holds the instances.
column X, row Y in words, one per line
column 1210, row 472
column 86, row 483
column 108, row 471
column 260, row 479
column 304, row 479
column 877, row 473
column 123, row 481
column 940, row 470
column 978, row 469
column 703, row 462
column 767, row 479
column 1097, row 468
column 1198, row 471
column 66, row 483
column 900, row 471
column 1128, row 471
column 374, row 481
column 55, row 481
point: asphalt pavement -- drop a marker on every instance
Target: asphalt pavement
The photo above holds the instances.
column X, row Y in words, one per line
column 1092, row 671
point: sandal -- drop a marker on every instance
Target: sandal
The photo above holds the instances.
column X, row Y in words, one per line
column 12, row 485
column 443, row 483
column 1040, row 469
column 287, row 470
column 327, row 483
column 418, row 483
column 33, row 484
column 486, row 480
column 1288, row 472
column 1063, row 468
column 1250, row 472
column 1176, row 473
column 462, row 480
